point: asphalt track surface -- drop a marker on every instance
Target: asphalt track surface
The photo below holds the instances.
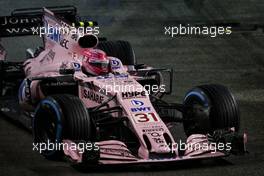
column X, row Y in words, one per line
column 236, row 61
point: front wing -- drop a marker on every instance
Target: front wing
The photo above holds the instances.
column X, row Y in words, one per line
column 116, row 152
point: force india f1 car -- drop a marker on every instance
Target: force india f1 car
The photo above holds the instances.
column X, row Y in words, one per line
column 50, row 94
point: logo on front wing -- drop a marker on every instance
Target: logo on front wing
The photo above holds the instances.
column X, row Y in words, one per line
column 133, row 94
column 140, row 107
column 137, row 103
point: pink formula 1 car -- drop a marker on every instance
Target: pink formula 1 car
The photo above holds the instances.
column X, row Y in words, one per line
column 112, row 118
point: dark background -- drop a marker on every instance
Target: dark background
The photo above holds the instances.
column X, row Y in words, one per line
column 236, row 61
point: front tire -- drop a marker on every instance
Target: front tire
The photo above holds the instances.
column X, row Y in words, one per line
column 60, row 117
column 208, row 108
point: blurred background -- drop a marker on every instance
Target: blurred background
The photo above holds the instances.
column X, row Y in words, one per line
column 236, row 60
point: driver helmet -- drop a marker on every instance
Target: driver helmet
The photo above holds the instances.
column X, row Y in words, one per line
column 95, row 62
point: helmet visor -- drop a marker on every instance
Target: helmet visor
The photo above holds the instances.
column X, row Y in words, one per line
column 103, row 65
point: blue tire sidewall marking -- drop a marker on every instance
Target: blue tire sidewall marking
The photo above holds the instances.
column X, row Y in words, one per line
column 58, row 112
column 202, row 97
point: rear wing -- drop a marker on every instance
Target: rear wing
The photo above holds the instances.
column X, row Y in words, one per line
column 21, row 21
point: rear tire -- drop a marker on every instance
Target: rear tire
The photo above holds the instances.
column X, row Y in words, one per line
column 61, row 117
column 120, row 49
column 208, row 108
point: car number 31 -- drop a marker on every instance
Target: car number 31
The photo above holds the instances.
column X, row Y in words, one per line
column 145, row 117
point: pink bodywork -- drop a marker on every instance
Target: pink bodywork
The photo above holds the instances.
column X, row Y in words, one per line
column 144, row 122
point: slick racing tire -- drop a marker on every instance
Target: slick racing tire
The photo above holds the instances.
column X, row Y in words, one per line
column 120, row 49
column 208, row 108
column 60, row 117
